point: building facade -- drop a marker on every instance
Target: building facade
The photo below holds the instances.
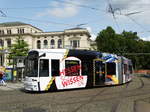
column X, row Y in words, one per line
column 75, row 38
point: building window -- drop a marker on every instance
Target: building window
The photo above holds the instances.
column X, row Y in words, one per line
column 9, row 31
column 1, row 43
column 21, row 31
column 59, row 43
column 9, row 42
column 81, row 34
column 1, row 32
column 52, row 43
column 75, row 43
column 38, row 44
column 45, row 44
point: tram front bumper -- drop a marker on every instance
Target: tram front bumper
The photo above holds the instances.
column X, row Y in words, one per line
column 30, row 87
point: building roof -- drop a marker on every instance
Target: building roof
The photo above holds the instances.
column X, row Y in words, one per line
column 77, row 28
column 17, row 23
column 12, row 24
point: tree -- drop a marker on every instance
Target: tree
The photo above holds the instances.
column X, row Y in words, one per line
column 20, row 48
column 125, row 44
column 105, row 39
column 108, row 41
column 130, row 35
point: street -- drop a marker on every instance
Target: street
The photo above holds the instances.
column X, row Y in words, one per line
column 131, row 97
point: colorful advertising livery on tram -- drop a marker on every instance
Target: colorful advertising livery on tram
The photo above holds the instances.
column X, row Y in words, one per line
column 60, row 69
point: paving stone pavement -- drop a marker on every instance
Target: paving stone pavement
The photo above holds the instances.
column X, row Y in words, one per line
column 11, row 86
column 130, row 97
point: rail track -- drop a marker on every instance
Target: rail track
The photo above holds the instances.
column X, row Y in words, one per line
column 78, row 100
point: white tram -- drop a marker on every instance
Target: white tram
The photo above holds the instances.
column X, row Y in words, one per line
column 60, row 69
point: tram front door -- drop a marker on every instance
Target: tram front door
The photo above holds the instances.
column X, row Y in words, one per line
column 99, row 73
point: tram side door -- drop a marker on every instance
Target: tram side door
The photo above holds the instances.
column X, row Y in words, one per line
column 99, row 73
column 43, row 74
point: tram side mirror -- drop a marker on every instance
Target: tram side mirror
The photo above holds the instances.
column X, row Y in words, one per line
column 43, row 55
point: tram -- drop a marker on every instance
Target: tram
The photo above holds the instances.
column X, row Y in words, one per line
column 60, row 69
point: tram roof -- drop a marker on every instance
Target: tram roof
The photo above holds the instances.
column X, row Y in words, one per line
column 85, row 53
column 49, row 50
column 82, row 54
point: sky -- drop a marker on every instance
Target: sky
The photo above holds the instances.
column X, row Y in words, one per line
column 95, row 15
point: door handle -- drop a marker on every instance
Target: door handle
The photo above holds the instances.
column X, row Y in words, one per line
column 34, row 80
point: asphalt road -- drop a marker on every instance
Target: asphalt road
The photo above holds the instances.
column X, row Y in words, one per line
column 131, row 97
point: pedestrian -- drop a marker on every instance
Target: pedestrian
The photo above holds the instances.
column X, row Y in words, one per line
column 2, row 78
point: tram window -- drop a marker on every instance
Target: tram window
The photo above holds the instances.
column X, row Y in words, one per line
column 130, row 69
column 44, row 68
column 72, row 68
column 85, row 70
column 97, row 66
column 111, row 68
column 125, row 68
column 55, row 67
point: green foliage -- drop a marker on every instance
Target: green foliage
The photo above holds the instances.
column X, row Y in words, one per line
column 125, row 44
column 20, row 48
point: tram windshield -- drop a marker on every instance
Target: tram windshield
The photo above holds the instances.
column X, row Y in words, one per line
column 31, row 68
column 31, row 64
